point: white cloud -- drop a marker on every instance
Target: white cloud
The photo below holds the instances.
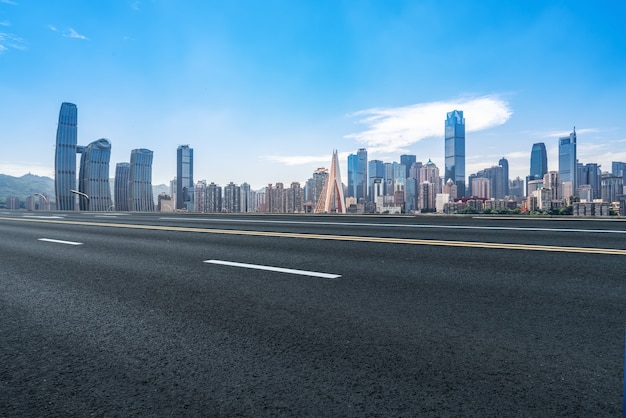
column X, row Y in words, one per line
column 71, row 33
column 560, row 134
column 52, row 28
column 296, row 159
column 5, row 23
column 8, row 40
column 8, row 2
column 320, row 160
column 391, row 130
column 136, row 5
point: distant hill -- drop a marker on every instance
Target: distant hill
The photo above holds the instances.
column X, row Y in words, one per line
column 24, row 186
column 29, row 184
column 160, row 188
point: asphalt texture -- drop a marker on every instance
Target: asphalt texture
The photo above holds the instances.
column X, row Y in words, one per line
column 133, row 322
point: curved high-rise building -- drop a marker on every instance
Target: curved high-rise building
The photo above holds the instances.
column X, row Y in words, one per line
column 455, row 149
column 93, row 178
column 140, row 198
column 538, row 161
column 122, row 173
column 65, row 157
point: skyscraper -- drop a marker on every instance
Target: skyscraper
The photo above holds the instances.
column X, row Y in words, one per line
column 352, row 170
column 408, row 161
column 481, row 187
column 140, row 197
column 427, row 196
column 388, row 179
column 552, row 181
column 591, row 174
column 295, row 198
column 612, row 186
column 232, row 198
column 455, row 150
column 618, row 168
column 122, row 171
column 184, row 178
column 504, row 163
column 538, row 161
column 567, row 164
column 538, row 164
column 497, row 181
column 93, row 179
column 429, row 173
column 200, row 196
column 65, row 157
column 246, row 198
column 360, row 184
column 213, row 198
column 375, row 170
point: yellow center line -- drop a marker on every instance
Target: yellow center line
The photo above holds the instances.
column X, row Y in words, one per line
column 409, row 241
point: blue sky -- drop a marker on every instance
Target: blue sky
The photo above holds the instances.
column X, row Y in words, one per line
column 265, row 90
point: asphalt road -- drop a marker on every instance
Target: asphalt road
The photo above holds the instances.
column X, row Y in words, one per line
column 121, row 315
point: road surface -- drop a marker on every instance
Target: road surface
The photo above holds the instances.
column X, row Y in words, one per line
column 213, row 315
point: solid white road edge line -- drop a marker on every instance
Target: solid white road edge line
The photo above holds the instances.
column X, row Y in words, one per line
column 57, row 241
column 276, row 269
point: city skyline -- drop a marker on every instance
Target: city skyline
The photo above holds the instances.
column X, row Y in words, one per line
column 264, row 91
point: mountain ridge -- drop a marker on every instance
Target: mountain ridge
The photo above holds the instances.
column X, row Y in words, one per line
column 29, row 184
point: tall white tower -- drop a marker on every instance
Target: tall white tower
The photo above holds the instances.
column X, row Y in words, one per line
column 332, row 199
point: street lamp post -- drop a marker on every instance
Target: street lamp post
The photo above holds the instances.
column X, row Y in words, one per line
column 45, row 200
column 83, row 195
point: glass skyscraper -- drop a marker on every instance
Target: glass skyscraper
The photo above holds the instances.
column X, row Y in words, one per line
column 538, row 164
column 361, row 174
column 375, row 170
column 408, row 161
column 504, row 163
column 357, row 174
column 184, row 178
column 455, row 150
column 567, row 163
column 65, row 157
column 94, row 176
column 538, row 161
column 140, row 198
column 618, row 168
column 352, row 169
column 122, row 171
